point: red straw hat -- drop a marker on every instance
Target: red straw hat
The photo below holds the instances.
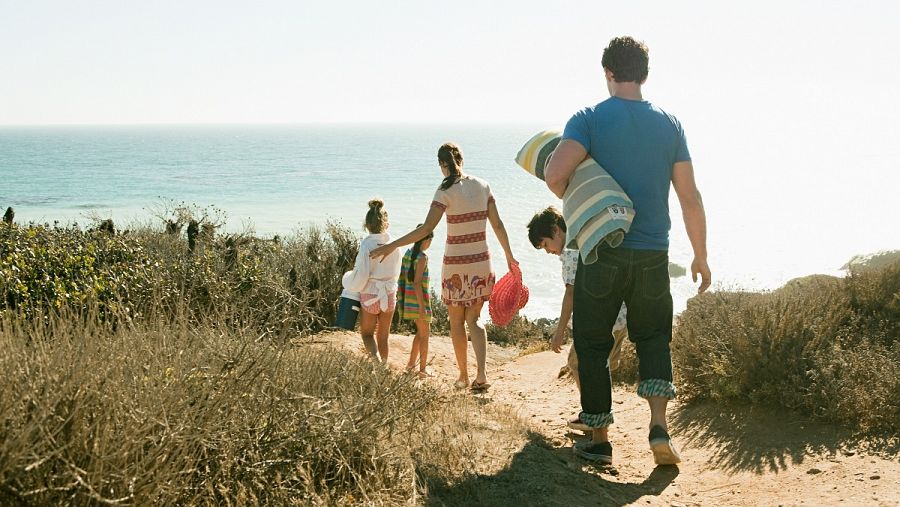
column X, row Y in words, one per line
column 508, row 297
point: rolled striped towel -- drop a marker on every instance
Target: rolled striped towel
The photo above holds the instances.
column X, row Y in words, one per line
column 595, row 207
column 534, row 155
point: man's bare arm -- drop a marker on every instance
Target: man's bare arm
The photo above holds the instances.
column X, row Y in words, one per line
column 694, row 220
column 566, row 157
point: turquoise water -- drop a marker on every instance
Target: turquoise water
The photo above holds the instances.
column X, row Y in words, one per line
column 277, row 178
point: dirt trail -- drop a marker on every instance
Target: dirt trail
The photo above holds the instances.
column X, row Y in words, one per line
column 732, row 455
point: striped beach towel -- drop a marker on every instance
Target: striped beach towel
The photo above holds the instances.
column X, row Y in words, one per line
column 595, row 207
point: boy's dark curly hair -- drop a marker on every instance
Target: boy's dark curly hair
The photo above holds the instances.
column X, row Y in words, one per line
column 541, row 225
column 628, row 59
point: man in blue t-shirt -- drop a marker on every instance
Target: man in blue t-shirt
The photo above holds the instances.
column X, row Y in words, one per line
column 644, row 149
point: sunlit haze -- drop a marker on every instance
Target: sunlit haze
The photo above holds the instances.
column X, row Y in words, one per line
column 790, row 107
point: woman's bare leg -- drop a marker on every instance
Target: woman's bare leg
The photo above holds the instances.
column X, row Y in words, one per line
column 457, row 315
column 479, row 340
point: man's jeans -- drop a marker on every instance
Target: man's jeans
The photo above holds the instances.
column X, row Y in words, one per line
column 640, row 278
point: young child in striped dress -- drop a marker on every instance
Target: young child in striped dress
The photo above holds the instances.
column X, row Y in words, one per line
column 414, row 301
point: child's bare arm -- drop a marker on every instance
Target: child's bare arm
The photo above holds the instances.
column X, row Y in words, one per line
column 565, row 313
column 421, row 264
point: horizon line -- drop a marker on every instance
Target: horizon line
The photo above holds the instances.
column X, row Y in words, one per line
column 274, row 123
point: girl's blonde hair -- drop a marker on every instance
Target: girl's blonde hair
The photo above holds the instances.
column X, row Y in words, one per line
column 376, row 217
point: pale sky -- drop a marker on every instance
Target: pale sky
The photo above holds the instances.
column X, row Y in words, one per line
column 791, row 108
column 346, row 61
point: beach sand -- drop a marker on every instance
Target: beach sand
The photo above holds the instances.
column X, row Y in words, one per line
column 731, row 455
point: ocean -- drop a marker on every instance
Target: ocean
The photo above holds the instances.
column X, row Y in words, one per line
column 276, row 179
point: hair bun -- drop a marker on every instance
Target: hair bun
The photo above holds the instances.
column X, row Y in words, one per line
column 376, row 203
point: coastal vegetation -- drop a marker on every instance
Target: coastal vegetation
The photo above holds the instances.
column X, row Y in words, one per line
column 139, row 370
column 824, row 346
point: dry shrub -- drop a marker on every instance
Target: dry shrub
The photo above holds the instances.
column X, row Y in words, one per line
column 169, row 413
column 822, row 345
column 856, row 382
column 532, row 335
column 440, row 316
column 627, row 372
column 440, row 319
column 136, row 372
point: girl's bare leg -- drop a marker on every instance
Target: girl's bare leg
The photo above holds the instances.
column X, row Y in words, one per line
column 423, row 330
column 384, row 329
column 413, row 353
column 367, row 323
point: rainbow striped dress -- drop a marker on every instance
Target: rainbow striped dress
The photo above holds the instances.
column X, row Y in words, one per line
column 407, row 305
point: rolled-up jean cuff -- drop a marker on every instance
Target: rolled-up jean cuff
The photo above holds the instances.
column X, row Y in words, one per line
column 656, row 387
column 596, row 420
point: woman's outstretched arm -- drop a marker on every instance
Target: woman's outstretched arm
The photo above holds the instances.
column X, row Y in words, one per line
column 431, row 221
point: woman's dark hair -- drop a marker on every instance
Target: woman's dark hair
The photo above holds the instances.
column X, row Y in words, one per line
column 627, row 59
column 450, row 155
column 376, row 217
column 541, row 225
column 416, row 250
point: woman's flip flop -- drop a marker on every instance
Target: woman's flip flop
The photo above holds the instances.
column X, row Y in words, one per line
column 480, row 386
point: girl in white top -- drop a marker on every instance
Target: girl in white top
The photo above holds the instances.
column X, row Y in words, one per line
column 376, row 282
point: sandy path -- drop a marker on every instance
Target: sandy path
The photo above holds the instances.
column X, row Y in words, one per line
column 732, row 456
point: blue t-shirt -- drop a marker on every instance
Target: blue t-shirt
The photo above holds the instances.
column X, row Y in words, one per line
column 637, row 143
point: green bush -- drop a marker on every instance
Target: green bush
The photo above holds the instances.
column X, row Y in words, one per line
column 52, row 267
column 821, row 345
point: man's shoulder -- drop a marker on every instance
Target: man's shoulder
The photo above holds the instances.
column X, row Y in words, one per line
column 594, row 109
column 662, row 112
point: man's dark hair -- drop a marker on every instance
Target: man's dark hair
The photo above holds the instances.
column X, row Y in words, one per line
column 627, row 59
column 541, row 225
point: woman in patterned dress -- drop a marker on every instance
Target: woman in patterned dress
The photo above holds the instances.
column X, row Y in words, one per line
column 466, row 275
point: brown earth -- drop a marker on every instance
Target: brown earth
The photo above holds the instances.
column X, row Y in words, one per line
column 732, row 455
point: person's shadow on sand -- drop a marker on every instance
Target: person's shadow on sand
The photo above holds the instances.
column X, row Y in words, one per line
column 542, row 475
column 762, row 439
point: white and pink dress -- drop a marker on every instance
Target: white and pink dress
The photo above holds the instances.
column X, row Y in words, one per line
column 466, row 275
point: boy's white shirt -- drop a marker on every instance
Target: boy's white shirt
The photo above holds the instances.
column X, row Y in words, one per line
column 373, row 277
column 569, row 260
